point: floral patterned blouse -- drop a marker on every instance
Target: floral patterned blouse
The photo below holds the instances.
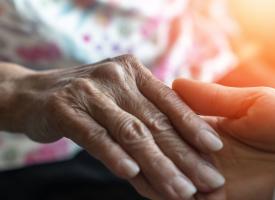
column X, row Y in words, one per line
column 173, row 38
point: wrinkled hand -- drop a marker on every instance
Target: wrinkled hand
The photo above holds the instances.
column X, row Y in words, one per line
column 127, row 119
column 245, row 119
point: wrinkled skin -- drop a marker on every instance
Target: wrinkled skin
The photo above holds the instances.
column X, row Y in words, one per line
column 115, row 109
column 244, row 117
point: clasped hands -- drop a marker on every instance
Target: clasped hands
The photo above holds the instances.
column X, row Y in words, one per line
column 147, row 133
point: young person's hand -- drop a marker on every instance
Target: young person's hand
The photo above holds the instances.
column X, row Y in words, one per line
column 122, row 115
column 245, row 119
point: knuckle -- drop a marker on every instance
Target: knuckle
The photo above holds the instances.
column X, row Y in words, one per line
column 188, row 116
column 159, row 123
column 128, row 58
column 132, row 131
column 182, row 154
column 80, row 83
column 110, row 71
column 82, row 90
column 132, row 62
column 134, row 68
column 260, row 94
column 90, row 138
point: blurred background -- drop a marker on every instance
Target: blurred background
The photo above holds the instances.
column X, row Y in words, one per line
column 255, row 43
column 231, row 42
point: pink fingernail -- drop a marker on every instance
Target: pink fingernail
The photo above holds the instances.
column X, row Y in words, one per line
column 183, row 188
column 211, row 141
column 129, row 167
column 210, row 176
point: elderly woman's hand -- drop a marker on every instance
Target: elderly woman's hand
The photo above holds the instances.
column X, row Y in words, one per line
column 126, row 118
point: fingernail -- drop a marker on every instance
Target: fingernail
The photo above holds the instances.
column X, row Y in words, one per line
column 210, row 176
column 184, row 188
column 211, row 141
column 130, row 168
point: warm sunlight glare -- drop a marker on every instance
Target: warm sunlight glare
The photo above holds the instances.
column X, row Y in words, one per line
column 256, row 16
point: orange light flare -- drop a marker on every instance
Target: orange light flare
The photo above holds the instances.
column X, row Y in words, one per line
column 257, row 20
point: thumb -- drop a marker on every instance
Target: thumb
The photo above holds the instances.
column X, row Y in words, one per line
column 213, row 99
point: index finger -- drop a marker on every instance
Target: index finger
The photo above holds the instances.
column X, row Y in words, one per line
column 189, row 125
